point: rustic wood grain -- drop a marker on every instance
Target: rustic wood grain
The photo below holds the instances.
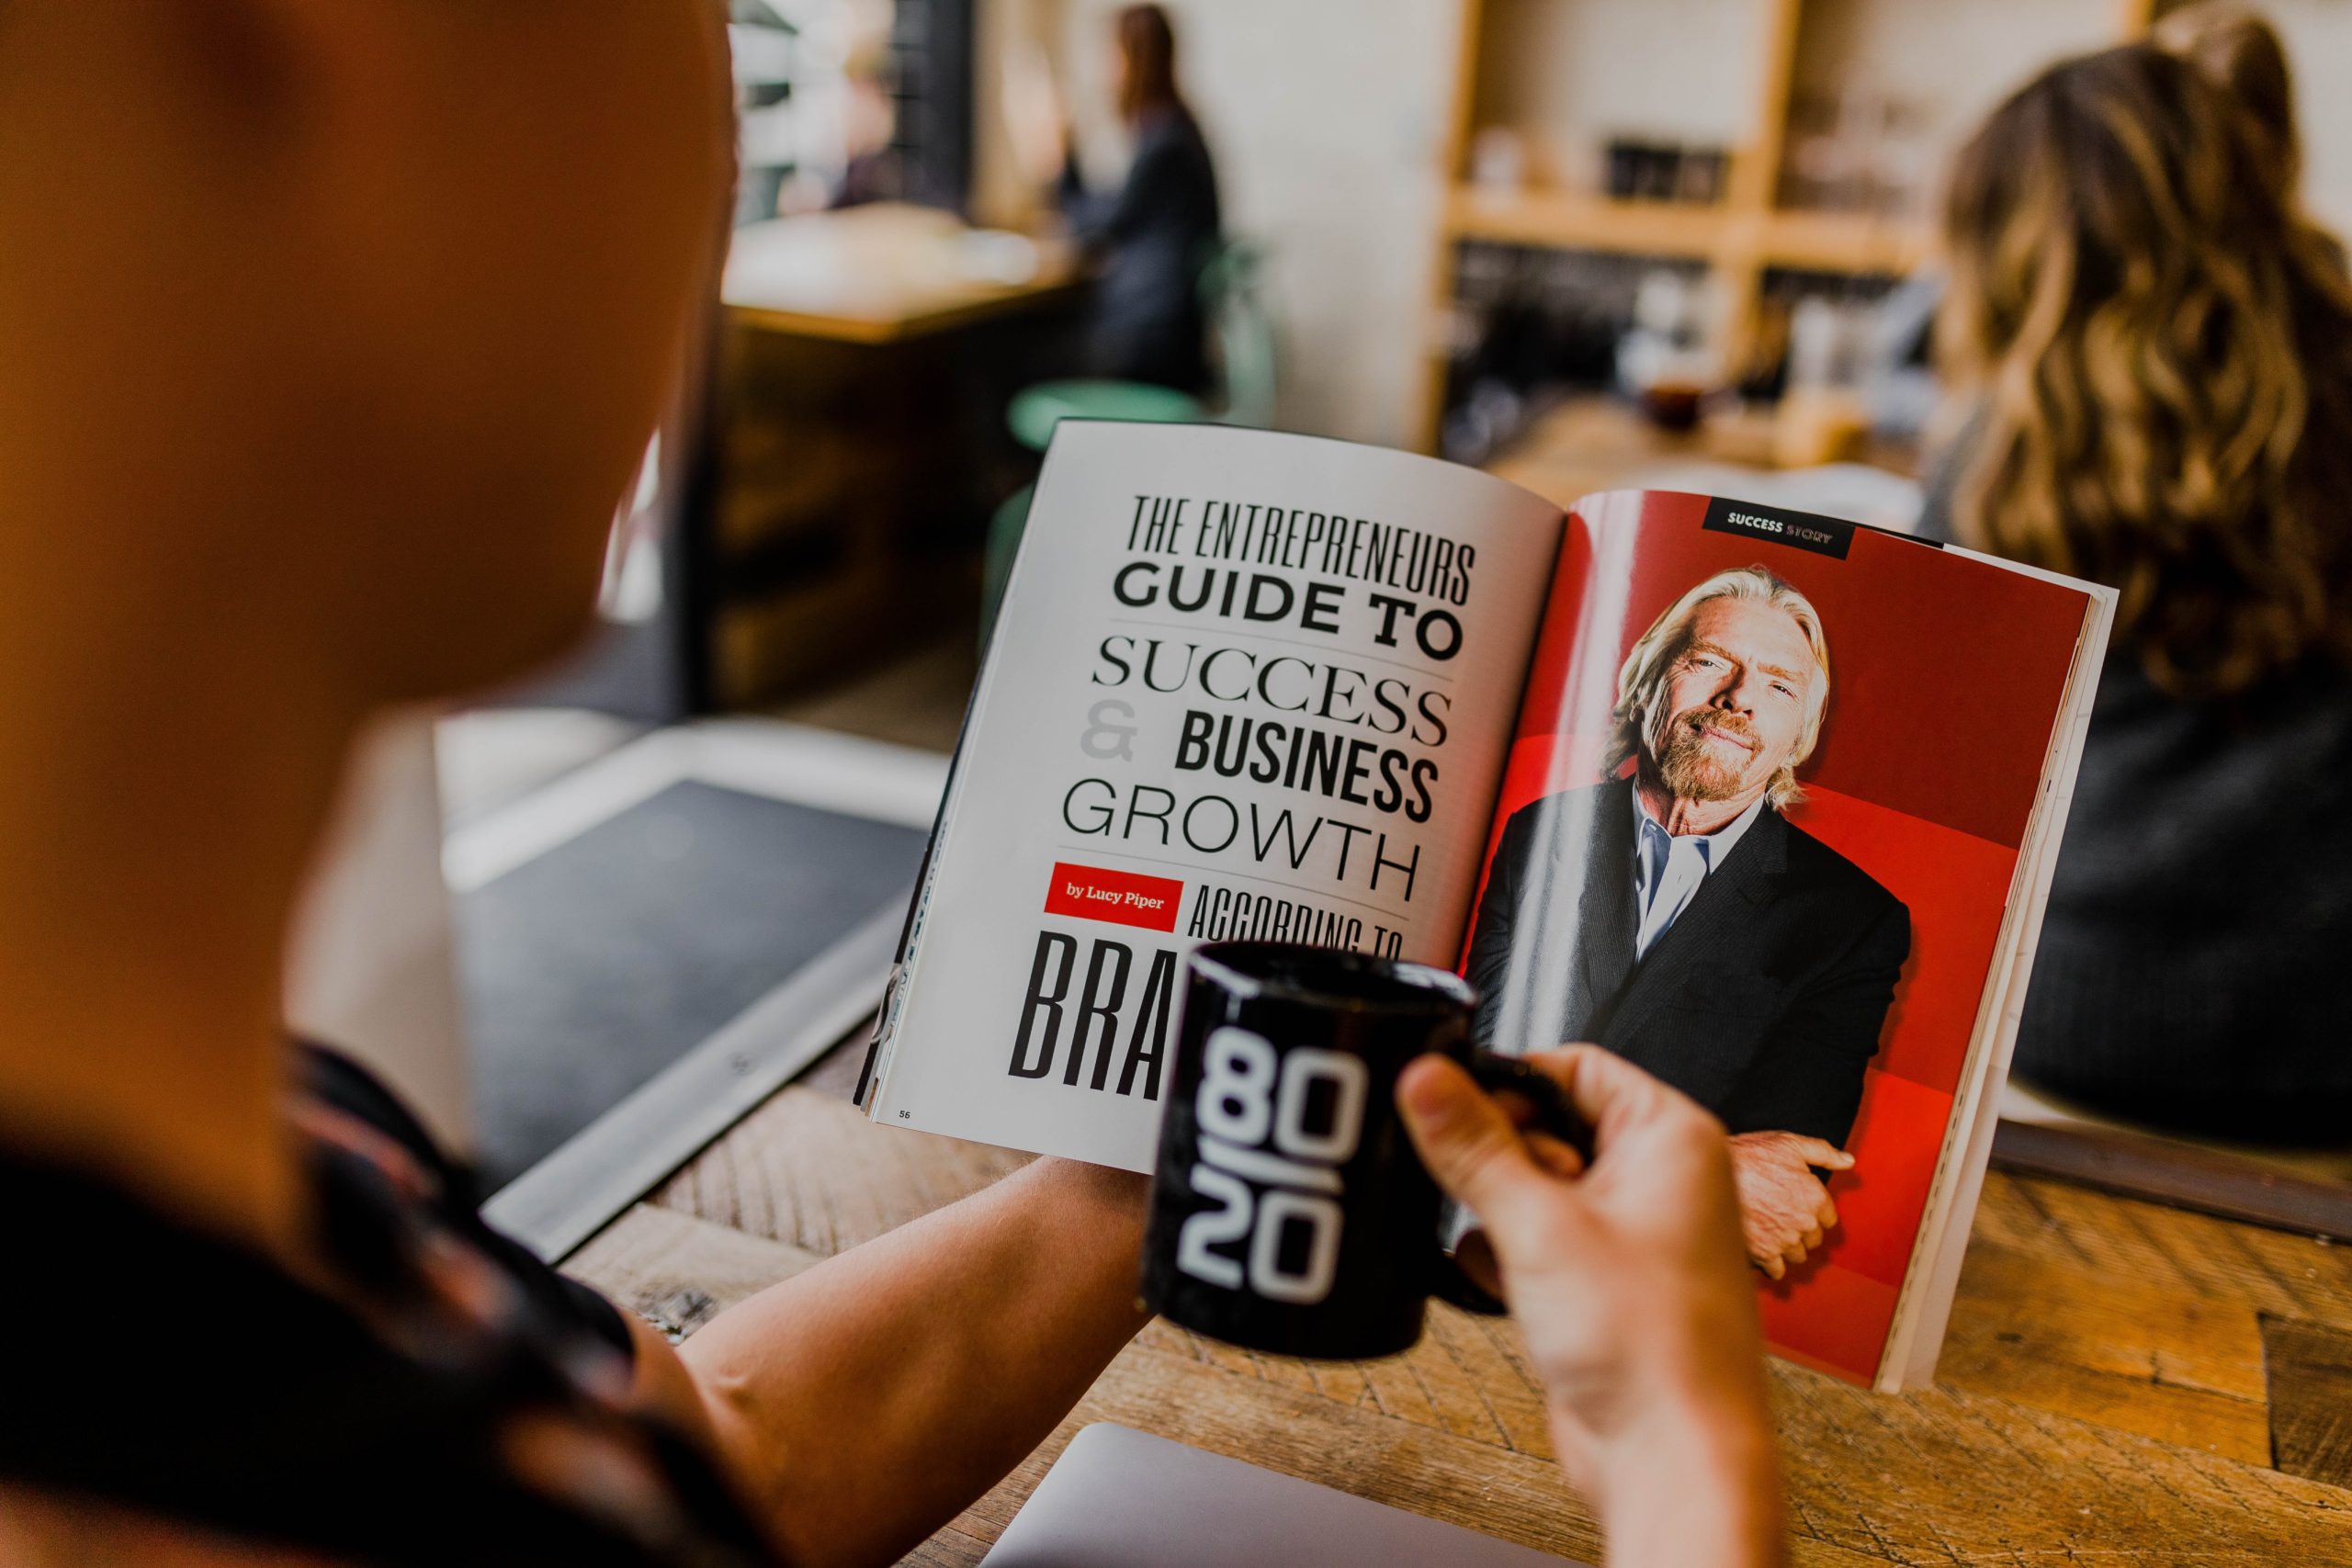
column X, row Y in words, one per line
column 1936, row 1476
column 1953, row 1480
column 2311, row 1399
column 1299, row 1433
column 1946, row 1477
column 2122, row 1239
column 2054, row 1335
column 2103, row 1396
column 679, row 1273
column 808, row 1169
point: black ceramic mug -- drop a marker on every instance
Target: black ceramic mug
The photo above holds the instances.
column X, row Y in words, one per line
column 1289, row 1210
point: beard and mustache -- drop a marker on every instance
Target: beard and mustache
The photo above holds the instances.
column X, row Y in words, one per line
column 1690, row 766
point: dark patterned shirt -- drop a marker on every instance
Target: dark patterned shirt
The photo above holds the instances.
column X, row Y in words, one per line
column 434, row 1395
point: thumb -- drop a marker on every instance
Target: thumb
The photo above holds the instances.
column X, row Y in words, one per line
column 1466, row 1140
column 1817, row 1151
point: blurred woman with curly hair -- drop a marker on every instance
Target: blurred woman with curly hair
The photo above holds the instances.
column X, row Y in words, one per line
column 2156, row 345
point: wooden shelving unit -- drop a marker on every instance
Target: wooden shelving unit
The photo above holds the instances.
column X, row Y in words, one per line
column 1740, row 238
column 1842, row 241
column 1820, row 241
column 1570, row 221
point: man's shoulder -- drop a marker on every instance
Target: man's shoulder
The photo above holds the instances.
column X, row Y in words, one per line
column 1588, row 800
column 1816, row 864
column 1565, row 823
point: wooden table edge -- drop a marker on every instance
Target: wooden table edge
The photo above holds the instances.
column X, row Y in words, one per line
column 872, row 330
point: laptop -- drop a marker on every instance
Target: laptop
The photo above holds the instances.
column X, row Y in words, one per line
column 1120, row 1498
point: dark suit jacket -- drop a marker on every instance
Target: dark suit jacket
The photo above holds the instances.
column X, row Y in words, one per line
column 1763, row 1001
column 1154, row 236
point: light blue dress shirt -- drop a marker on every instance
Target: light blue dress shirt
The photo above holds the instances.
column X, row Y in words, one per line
column 1668, row 868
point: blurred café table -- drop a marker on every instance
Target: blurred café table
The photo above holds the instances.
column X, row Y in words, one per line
column 857, row 443
column 2122, row 1381
column 1590, row 442
column 884, row 272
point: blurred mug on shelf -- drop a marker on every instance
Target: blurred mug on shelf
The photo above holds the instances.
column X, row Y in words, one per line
column 1857, row 151
column 1662, row 362
column 1638, row 168
column 1498, row 161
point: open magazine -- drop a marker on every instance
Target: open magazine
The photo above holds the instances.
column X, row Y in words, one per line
column 1765, row 802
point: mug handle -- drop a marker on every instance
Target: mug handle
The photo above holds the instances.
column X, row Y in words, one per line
column 1553, row 1114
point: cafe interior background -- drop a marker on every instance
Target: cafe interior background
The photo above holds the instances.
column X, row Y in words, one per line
column 588, row 923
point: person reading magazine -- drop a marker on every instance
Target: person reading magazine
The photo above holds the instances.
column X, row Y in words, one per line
column 378, row 465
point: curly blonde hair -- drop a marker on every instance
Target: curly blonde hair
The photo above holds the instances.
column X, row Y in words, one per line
column 2160, row 343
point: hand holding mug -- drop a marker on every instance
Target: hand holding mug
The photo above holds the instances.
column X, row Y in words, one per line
column 1629, row 1277
column 1289, row 1210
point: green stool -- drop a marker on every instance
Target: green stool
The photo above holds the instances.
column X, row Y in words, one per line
column 1034, row 413
column 1242, row 330
column 1036, row 410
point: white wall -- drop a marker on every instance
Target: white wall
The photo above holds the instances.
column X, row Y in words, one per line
column 1326, row 116
column 2318, row 35
column 1957, row 62
column 1569, row 77
column 1953, row 64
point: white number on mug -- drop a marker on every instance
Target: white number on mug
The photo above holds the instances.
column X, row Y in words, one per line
column 1313, row 1283
column 1252, row 1095
column 1214, row 1227
column 1236, row 1087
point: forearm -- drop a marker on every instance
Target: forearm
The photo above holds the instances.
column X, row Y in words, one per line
column 862, row 1405
column 1694, row 1487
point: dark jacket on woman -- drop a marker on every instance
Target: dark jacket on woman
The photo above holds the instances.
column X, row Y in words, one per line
column 2192, row 972
column 1153, row 238
column 2193, row 967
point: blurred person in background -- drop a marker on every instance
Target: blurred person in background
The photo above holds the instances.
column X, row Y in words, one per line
column 1152, row 237
column 2156, row 345
column 874, row 170
column 299, row 419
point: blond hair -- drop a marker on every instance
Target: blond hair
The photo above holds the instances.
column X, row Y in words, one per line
column 2161, row 347
column 1642, row 678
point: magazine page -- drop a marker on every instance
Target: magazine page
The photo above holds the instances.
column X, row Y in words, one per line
column 1922, row 1315
column 1760, row 832
column 1243, row 685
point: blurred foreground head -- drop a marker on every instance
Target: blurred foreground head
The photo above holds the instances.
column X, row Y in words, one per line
column 2160, row 343
column 335, row 330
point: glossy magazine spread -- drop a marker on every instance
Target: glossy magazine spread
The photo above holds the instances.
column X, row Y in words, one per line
column 1762, row 801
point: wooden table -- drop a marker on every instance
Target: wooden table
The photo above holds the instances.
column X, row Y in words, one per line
column 1592, row 443
column 2123, row 1381
column 884, row 273
column 866, row 360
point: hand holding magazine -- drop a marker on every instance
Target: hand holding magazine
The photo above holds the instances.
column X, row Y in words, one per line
column 1764, row 802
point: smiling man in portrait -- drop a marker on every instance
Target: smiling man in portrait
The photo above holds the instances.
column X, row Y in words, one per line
column 1673, row 914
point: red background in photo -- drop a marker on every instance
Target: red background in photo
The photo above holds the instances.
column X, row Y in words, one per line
column 1945, row 678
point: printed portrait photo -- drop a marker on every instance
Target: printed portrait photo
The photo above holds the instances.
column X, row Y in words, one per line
column 1672, row 912
column 1757, row 834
